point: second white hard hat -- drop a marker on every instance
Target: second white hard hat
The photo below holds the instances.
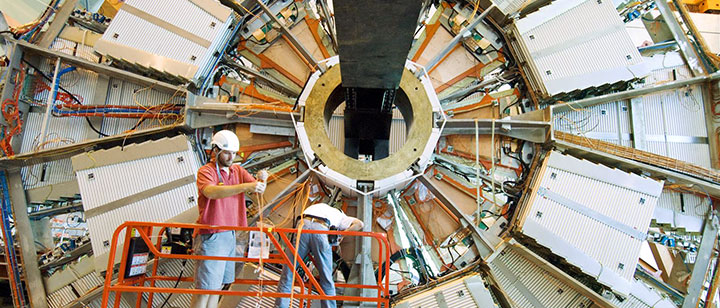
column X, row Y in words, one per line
column 226, row 140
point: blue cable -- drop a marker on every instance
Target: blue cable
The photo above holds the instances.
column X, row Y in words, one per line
column 103, row 109
column 217, row 60
column 6, row 212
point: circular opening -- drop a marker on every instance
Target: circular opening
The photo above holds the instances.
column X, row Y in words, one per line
column 399, row 125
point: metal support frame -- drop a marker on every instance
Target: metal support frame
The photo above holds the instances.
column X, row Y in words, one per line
column 50, row 102
column 534, row 131
column 708, row 90
column 32, row 158
column 28, row 48
column 485, row 248
column 451, row 45
column 584, row 103
column 702, row 262
column 266, row 162
column 463, row 92
column 637, row 122
column 206, row 116
column 688, row 51
column 365, row 206
column 627, row 164
column 252, row 72
column 305, row 53
column 57, row 24
column 26, row 239
column 330, row 20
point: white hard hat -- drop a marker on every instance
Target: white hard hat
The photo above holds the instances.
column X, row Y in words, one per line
column 226, row 140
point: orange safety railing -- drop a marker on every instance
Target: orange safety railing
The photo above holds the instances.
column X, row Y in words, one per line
column 140, row 284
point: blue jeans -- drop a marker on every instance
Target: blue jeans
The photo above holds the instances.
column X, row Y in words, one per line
column 212, row 274
column 318, row 245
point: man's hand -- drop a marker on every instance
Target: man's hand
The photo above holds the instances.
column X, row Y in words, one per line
column 263, row 175
column 260, row 187
column 356, row 225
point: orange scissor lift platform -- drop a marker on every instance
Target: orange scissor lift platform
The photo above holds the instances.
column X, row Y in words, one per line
column 309, row 290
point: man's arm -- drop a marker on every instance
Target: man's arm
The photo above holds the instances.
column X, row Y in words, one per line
column 224, row 191
column 356, row 225
column 214, row 191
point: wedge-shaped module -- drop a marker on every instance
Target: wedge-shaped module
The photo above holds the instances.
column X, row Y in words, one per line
column 593, row 216
column 175, row 37
column 151, row 181
column 575, row 44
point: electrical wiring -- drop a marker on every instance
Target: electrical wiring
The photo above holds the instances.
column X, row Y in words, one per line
column 141, row 112
column 11, row 115
column 68, row 92
column 30, row 32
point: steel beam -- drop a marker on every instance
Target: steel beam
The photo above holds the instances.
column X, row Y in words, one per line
column 305, row 53
column 31, row 49
column 267, row 79
column 485, row 249
column 205, row 116
column 702, row 262
column 365, row 206
column 686, row 48
column 266, row 162
column 330, row 20
column 43, row 156
column 534, row 131
column 57, row 24
column 26, row 239
column 584, row 103
column 632, row 165
column 50, row 102
column 491, row 80
column 451, row 45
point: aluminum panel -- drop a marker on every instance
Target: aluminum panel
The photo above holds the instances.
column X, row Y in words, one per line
column 76, row 49
column 624, row 201
column 455, row 293
column 132, row 31
column 509, row 6
column 563, row 40
column 201, row 23
column 61, row 297
column 527, row 285
column 87, row 283
column 130, row 178
column 643, row 296
column 398, row 135
column 60, row 131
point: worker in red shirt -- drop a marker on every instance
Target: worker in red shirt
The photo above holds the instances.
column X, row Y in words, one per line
column 221, row 202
